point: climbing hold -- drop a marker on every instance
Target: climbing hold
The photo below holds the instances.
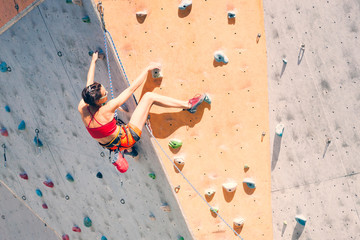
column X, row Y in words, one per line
column 177, row 188
column 285, row 222
column 156, row 73
column 230, row 187
column 279, row 130
column 152, row 175
column 262, row 136
column 180, row 237
column 76, row 229
column 221, row 57
column 44, row 206
column 184, row 4
column 22, row 125
column 165, row 207
column 24, row 175
column 99, row 175
column 284, row 61
column 214, row 209
column 175, row 143
column 231, row 14
column 258, row 37
column 141, row 14
column 103, row 238
column 68, row 1
column 179, row 160
column 65, row 236
column 86, row 19
column 7, row 108
column 49, row 183
column 250, row 183
column 4, row 67
column 87, row 222
column 67, row 197
column 78, row 2
column 37, row 140
column 238, row 222
column 69, row 177
column 38, row 192
column 300, row 219
column 303, row 46
column 209, row 192
column 246, row 167
column 4, row 132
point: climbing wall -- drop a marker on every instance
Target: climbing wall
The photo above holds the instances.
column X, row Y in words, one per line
column 221, row 138
column 315, row 164
column 53, row 168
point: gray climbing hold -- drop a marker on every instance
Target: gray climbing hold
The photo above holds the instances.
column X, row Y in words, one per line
column 221, row 57
column 184, row 4
column 156, row 73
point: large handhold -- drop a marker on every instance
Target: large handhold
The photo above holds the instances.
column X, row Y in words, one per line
column 250, row 183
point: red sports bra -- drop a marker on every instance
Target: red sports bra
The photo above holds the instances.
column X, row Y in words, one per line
column 102, row 131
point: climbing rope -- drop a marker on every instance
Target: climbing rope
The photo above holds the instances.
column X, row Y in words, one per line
column 101, row 11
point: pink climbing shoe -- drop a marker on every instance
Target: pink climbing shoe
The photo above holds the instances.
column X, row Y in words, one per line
column 120, row 162
column 197, row 100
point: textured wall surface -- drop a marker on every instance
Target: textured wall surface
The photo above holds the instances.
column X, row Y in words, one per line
column 316, row 95
column 47, row 51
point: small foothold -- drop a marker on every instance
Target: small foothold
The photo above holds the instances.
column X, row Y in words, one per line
column 300, row 219
column 184, row 4
column 4, row 132
column 246, row 167
column 38, row 142
column 4, row 67
column 214, row 209
column 49, row 183
column 285, row 222
column 220, row 56
column 99, row 175
column 7, row 108
column 87, row 222
column 284, row 61
column 68, row 1
column 230, row 187
column 175, row 143
column 67, row 197
column 24, row 175
column 250, row 183
column 177, row 188
column 181, row 238
column 231, row 14
column 152, row 175
column 141, row 14
column 44, row 206
column 38, row 192
column 165, row 207
column 239, row 222
column 103, row 238
column 156, row 73
column 328, row 141
column 65, row 236
column 86, row 19
column 69, row 177
column 152, row 216
column 279, row 130
column 179, row 160
column 259, row 35
column 22, row 125
column 76, row 229
column 210, row 192
column 303, row 46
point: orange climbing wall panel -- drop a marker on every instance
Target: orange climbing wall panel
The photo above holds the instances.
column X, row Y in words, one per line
column 219, row 139
column 8, row 10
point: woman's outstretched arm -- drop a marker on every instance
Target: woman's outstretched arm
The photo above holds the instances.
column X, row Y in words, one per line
column 91, row 73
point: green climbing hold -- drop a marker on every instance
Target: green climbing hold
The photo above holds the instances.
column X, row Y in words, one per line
column 152, row 175
column 22, row 125
column 181, row 238
column 68, row 1
column 87, row 222
column 103, row 238
column 99, row 175
column 86, row 19
column 69, row 177
column 175, row 143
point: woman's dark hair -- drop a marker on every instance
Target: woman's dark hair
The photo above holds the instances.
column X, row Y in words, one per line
column 91, row 93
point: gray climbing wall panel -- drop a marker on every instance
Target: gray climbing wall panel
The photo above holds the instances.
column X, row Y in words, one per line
column 316, row 95
column 47, row 51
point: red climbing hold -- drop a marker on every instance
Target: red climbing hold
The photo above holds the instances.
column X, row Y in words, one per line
column 24, row 176
column 65, row 237
column 76, row 229
column 4, row 132
column 44, row 206
column 49, row 183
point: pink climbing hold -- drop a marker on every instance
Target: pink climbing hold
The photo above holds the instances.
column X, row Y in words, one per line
column 44, row 206
column 49, row 183
column 76, row 229
column 24, row 176
column 4, row 132
column 65, row 237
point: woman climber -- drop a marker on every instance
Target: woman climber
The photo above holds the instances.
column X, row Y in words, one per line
column 98, row 114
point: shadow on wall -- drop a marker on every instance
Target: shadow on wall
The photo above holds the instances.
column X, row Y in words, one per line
column 276, row 151
column 298, row 230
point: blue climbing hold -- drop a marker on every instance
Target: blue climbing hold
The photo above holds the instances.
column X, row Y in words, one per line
column 231, row 14
column 219, row 56
column 103, row 238
column 3, row 67
column 38, row 142
column 69, row 177
column 22, row 125
column 99, row 175
column 184, row 4
column 87, row 222
column 7, row 108
column 250, row 183
column 300, row 219
column 38, row 192
column 86, row 19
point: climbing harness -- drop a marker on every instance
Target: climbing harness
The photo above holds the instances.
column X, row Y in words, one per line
column 4, row 147
column 100, row 8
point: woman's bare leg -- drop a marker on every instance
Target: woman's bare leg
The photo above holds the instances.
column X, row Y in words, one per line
column 141, row 112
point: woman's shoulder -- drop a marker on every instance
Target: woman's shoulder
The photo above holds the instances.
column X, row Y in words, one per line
column 82, row 105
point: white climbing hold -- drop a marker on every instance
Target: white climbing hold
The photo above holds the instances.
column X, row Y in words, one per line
column 210, row 192
column 230, row 186
column 300, row 219
column 279, row 130
column 239, row 222
column 184, row 4
column 214, row 209
column 250, row 183
column 221, row 57
column 141, row 14
column 179, row 160
column 156, row 73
